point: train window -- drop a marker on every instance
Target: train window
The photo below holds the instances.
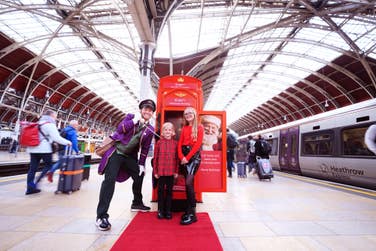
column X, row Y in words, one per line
column 353, row 142
column 362, row 119
column 294, row 149
column 320, row 143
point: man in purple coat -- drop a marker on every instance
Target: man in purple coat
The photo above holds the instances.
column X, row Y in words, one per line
column 121, row 161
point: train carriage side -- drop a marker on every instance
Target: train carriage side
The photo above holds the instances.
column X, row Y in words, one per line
column 333, row 148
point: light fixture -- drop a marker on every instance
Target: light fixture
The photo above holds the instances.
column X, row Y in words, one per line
column 285, row 118
column 326, row 103
column 47, row 94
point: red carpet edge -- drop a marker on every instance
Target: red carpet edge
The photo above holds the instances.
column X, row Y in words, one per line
column 146, row 232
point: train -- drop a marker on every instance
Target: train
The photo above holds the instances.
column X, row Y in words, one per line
column 328, row 146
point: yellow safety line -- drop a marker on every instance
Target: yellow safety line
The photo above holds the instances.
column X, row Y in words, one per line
column 373, row 194
column 11, row 179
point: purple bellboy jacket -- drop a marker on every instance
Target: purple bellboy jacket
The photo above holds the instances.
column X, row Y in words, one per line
column 124, row 133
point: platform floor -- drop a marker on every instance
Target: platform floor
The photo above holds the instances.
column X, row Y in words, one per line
column 285, row 214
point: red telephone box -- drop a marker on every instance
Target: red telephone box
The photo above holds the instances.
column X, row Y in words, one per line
column 175, row 93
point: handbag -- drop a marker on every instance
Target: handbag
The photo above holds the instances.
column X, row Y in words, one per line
column 106, row 145
column 132, row 146
column 194, row 162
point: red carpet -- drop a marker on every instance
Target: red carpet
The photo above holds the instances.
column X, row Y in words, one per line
column 146, row 232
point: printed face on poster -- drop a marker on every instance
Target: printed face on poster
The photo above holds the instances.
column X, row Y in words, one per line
column 212, row 170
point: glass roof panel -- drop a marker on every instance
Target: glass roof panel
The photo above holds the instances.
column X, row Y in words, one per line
column 299, row 73
column 362, row 31
column 186, row 33
column 82, row 58
column 247, row 63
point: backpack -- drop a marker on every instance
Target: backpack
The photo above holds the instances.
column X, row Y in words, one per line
column 266, row 148
column 251, row 146
column 63, row 134
column 231, row 141
column 30, row 133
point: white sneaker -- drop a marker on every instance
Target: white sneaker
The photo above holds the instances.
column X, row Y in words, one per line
column 103, row 224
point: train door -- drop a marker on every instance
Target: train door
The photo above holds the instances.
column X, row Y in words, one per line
column 289, row 150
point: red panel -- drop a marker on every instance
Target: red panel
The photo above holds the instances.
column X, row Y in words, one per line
column 19, row 84
column 88, row 97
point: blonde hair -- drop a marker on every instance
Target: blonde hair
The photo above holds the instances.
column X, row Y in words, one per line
column 167, row 124
column 195, row 122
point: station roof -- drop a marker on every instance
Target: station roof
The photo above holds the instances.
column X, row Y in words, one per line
column 264, row 62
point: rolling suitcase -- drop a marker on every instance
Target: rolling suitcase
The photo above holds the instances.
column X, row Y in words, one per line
column 241, row 167
column 264, row 169
column 70, row 172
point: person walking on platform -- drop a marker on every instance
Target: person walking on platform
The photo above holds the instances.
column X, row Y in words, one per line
column 189, row 147
column 262, row 148
column 121, row 161
column 252, row 154
column 13, row 147
column 71, row 135
column 166, row 168
column 48, row 133
column 231, row 145
column 370, row 138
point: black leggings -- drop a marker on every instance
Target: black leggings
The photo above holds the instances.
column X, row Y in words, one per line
column 190, row 191
column 190, row 169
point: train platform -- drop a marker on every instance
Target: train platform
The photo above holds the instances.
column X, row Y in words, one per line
column 288, row 213
column 7, row 158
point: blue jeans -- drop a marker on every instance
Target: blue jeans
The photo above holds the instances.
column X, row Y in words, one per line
column 58, row 163
column 35, row 159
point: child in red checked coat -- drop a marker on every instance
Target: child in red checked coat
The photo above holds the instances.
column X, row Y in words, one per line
column 165, row 164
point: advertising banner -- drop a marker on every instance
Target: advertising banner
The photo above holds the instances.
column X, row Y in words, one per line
column 211, row 176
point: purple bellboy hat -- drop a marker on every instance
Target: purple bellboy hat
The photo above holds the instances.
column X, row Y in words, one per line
column 147, row 103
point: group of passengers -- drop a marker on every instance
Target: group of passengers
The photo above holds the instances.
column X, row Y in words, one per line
column 254, row 149
column 122, row 160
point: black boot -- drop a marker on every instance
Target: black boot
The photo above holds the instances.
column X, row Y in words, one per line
column 185, row 215
column 160, row 215
column 189, row 218
column 168, row 215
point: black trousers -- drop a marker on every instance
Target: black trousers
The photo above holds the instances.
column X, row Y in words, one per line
column 189, row 171
column 165, row 184
column 115, row 162
column 230, row 159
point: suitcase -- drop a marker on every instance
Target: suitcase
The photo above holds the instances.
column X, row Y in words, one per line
column 264, row 169
column 86, row 167
column 241, row 167
column 70, row 172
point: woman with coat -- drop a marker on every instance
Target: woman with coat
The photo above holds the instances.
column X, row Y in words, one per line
column 48, row 134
